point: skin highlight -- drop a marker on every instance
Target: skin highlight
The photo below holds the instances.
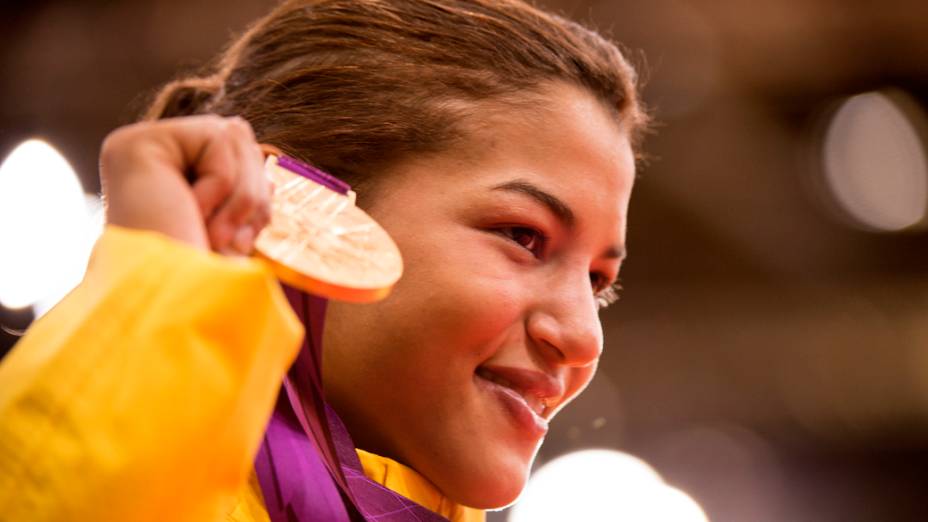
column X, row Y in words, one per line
column 496, row 277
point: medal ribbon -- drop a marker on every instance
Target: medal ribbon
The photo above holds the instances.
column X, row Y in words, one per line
column 307, row 466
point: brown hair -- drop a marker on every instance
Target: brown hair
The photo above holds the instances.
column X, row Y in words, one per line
column 355, row 85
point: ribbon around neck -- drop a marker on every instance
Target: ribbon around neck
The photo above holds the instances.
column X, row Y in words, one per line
column 307, row 466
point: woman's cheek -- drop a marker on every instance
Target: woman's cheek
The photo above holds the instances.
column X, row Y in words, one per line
column 579, row 379
column 462, row 290
column 481, row 312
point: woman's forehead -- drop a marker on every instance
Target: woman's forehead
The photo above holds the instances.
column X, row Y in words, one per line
column 569, row 151
column 572, row 148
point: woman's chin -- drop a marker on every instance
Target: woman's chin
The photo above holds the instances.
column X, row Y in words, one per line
column 492, row 497
column 492, row 487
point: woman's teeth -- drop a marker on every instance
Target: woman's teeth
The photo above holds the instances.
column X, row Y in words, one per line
column 535, row 403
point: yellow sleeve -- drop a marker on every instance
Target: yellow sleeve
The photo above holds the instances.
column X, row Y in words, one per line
column 145, row 393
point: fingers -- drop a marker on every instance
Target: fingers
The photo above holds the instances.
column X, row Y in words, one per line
column 231, row 188
column 145, row 168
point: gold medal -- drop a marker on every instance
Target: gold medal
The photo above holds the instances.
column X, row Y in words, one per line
column 320, row 242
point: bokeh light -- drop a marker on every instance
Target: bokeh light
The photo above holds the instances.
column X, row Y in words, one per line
column 48, row 226
column 875, row 164
column 600, row 484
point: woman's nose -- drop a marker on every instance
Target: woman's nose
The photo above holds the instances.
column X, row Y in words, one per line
column 566, row 324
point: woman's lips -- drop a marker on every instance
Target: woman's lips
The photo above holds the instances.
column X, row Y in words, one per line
column 525, row 418
column 524, row 394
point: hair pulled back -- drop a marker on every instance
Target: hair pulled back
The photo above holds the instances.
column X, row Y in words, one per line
column 355, row 85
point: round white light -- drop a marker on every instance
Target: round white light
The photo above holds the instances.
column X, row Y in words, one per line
column 593, row 485
column 45, row 228
column 875, row 164
column 676, row 505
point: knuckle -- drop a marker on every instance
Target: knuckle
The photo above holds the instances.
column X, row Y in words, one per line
column 110, row 145
column 259, row 192
column 211, row 125
column 224, row 180
column 238, row 209
column 118, row 136
column 262, row 185
column 211, row 119
column 248, row 201
column 263, row 202
column 218, row 236
column 121, row 140
column 241, row 127
column 263, row 215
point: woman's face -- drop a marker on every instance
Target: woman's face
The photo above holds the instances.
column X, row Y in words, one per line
column 494, row 326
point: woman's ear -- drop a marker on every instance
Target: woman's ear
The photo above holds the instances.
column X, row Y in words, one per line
column 269, row 149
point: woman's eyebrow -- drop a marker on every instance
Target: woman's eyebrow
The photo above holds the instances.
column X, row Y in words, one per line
column 560, row 209
column 557, row 207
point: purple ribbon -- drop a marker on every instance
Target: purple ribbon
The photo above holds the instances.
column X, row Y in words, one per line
column 310, row 172
column 307, row 465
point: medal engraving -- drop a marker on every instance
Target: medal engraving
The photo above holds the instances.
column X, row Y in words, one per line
column 320, row 242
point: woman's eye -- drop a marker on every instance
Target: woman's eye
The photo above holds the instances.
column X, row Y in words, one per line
column 604, row 292
column 528, row 238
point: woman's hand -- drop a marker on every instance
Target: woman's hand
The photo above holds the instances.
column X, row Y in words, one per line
column 198, row 179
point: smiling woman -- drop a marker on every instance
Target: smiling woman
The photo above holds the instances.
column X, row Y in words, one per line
column 493, row 141
column 506, row 250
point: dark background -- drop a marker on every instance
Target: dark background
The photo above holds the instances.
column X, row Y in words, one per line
column 766, row 358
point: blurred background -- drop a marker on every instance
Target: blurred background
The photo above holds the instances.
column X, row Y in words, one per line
column 768, row 360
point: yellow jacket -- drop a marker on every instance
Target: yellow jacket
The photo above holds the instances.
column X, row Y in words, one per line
column 144, row 394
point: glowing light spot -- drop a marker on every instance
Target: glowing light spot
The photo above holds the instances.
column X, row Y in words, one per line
column 45, row 227
column 875, row 164
column 602, row 485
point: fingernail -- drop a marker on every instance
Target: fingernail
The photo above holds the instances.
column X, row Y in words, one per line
column 244, row 239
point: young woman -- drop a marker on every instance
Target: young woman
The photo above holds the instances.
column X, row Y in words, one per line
column 493, row 141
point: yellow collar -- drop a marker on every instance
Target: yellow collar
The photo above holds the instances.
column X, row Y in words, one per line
column 249, row 506
column 407, row 482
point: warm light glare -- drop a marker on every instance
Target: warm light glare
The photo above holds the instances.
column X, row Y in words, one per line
column 46, row 230
column 594, row 485
column 677, row 505
column 875, row 163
